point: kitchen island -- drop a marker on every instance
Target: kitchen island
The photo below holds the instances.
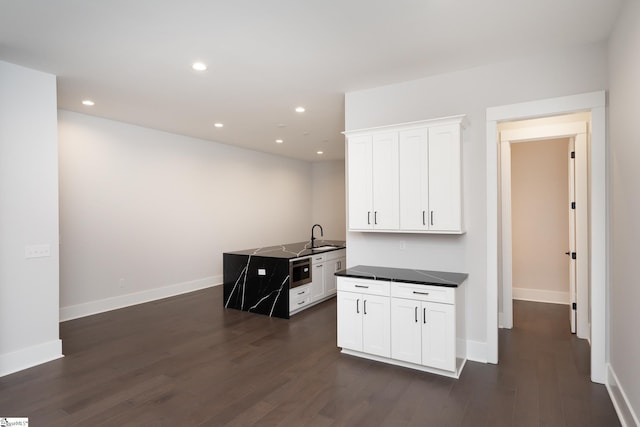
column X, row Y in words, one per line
column 407, row 317
column 258, row 280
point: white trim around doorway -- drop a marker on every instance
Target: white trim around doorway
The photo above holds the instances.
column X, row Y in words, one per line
column 595, row 102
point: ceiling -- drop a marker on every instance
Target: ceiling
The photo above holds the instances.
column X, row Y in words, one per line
column 265, row 58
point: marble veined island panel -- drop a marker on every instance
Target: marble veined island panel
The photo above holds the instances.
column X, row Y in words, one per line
column 256, row 284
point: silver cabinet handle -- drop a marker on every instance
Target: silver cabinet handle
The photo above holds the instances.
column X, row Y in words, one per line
column 423, row 220
column 301, row 302
column 424, row 315
column 369, row 217
column 431, row 217
column 362, row 286
column 365, row 306
column 358, row 306
column 416, row 314
column 301, row 293
column 375, row 217
column 420, row 293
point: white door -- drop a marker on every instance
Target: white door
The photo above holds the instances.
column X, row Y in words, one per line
column 414, row 180
column 572, row 237
column 386, row 215
column 438, row 336
column 444, row 178
column 350, row 321
column 376, row 325
column 406, row 330
column 360, row 183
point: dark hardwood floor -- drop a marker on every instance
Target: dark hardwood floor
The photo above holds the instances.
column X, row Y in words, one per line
column 185, row 361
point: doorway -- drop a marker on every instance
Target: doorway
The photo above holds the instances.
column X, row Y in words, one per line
column 595, row 103
column 544, row 189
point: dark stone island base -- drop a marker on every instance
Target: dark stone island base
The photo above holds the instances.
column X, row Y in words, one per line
column 245, row 289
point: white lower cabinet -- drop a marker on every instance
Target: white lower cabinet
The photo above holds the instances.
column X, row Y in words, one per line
column 423, row 333
column 363, row 317
column 331, row 267
column 299, row 298
column 411, row 325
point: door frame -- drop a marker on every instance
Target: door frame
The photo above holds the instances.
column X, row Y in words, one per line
column 576, row 131
column 594, row 102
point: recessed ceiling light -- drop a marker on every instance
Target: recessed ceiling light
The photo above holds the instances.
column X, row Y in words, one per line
column 88, row 103
column 279, row 141
column 299, row 109
column 320, row 152
column 199, row 66
column 218, row 125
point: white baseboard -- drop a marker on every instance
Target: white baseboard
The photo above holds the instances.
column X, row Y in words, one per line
column 540, row 295
column 121, row 301
column 477, row 351
column 626, row 414
column 30, row 356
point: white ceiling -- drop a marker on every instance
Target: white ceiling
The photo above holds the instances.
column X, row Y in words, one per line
column 133, row 58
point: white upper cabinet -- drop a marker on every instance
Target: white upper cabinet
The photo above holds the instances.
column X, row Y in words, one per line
column 414, row 180
column 360, row 155
column 444, row 179
column 373, row 182
column 385, row 181
column 406, row 178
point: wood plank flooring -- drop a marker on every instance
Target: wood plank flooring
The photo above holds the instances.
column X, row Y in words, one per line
column 186, row 361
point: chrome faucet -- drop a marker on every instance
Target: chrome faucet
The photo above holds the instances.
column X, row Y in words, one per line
column 312, row 236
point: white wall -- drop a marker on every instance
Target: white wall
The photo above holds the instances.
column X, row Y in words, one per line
column 146, row 214
column 28, row 216
column 540, row 220
column 328, row 198
column 624, row 152
column 467, row 92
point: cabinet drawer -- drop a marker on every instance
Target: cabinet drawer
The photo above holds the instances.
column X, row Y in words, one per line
column 362, row 286
column 299, row 297
column 318, row 259
column 424, row 292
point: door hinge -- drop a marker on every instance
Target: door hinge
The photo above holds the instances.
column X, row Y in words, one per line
column 573, row 154
column 573, row 205
column 573, row 306
column 573, row 255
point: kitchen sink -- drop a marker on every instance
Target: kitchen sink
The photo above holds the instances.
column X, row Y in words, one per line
column 323, row 248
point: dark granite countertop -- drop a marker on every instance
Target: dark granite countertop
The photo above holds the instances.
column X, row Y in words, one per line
column 405, row 275
column 293, row 250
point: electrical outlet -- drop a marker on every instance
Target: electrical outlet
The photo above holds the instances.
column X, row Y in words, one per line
column 37, row 251
column 262, row 272
column 403, row 245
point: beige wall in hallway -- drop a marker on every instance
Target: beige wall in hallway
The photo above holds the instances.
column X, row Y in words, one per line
column 539, row 178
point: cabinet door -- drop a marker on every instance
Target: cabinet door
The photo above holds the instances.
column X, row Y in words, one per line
column 350, row 321
column 444, row 178
column 360, row 179
column 317, row 283
column 330, row 279
column 386, row 213
column 406, row 330
column 376, row 325
column 439, row 336
column 414, row 180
